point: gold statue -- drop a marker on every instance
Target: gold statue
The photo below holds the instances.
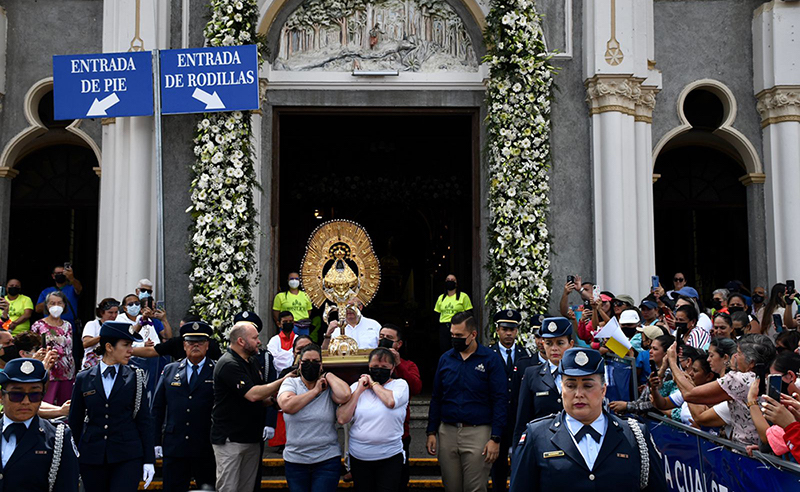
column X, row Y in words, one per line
column 340, row 266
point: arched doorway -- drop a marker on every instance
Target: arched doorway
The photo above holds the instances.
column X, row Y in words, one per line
column 700, row 201
column 54, row 210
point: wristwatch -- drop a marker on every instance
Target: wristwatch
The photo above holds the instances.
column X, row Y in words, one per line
column 495, row 439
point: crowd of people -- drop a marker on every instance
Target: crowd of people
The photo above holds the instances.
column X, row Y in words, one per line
column 131, row 391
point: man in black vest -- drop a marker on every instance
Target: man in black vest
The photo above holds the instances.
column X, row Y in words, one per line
column 182, row 410
column 516, row 358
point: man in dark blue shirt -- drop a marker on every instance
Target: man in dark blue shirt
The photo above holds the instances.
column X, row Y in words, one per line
column 468, row 408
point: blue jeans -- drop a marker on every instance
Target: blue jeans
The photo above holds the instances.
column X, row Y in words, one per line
column 315, row 477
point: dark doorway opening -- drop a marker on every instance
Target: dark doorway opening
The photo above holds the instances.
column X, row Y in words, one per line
column 701, row 217
column 54, row 219
column 408, row 179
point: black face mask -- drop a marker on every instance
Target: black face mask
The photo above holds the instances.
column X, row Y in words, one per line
column 385, row 343
column 757, row 299
column 450, row 285
column 459, row 344
column 310, row 370
column 13, row 291
column 287, row 327
column 10, row 353
column 735, row 309
column 380, row 375
column 60, row 278
column 681, row 328
column 717, row 304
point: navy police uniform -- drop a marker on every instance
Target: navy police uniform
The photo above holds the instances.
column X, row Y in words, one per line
column 557, row 452
column 182, row 411
column 38, row 447
column 539, row 395
column 521, row 359
column 115, row 438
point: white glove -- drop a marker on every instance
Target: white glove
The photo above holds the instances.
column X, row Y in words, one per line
column 159, row 452
column 269, row 433
column 149, row 473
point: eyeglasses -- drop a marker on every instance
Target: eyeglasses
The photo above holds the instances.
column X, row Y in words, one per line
column 19, row 396
column 149, row 291
column 676, row 279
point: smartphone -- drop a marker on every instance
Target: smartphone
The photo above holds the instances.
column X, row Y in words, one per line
column 571, row 278
column 679, row 334
column 774, row 386
column 789, row 286
column 147, row 302
column 778, row 321
column 587, row 305
column 653, row 367
column 596, row 293
column 654, row 282
column 2, row 290
column 67, row 266
column 160, row 305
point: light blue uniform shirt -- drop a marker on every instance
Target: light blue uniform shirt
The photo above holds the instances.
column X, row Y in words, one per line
column 9, row 446
column 588, row 447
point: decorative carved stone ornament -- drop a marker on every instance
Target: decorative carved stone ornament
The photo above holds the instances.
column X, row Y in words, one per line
column 779, row 104
column 621, row 93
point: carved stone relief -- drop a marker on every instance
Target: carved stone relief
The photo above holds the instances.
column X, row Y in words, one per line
column 403, row 35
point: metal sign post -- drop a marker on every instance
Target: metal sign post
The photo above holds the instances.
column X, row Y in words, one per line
column 160, row 280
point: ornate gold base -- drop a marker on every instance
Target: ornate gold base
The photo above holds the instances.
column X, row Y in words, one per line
column 343, row 346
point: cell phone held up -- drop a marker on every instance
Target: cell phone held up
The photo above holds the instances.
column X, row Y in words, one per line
column 2, row 290
column 654, row 282
column 778, row 322
column 774, row 386
column 790, row 287
column 570, row 279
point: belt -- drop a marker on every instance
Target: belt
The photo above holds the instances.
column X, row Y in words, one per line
column 462, row 424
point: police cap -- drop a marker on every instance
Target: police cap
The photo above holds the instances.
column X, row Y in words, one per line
column 196, row 331
column 23, row 371
column 507, row 318
column 581, row 362
column 250, row 317
column 555, row 327
column 119, row 330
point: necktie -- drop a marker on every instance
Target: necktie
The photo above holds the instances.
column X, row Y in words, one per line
column 16, row 429
column 509, row 362
column 587, row 429
column 110, row 372
column 195, row 376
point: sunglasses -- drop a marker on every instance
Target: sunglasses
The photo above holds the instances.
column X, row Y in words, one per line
column 135, row 303
column 676, row 279
column 619, row 303
column 19, row 396
column 149, row 291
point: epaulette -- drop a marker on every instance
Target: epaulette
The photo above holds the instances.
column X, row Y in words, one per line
column 542, row 418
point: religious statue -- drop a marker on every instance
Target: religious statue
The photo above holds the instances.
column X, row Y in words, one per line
column 340, row 266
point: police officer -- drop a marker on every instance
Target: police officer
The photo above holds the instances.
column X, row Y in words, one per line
column 583, row 447
column 182, row 411
column 516, row 358
column 540, row 390
column 36, row 455
column 110, row 416
column 536, row 324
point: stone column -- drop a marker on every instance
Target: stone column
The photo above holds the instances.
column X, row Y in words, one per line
column 621, row 84
column 777, row 88
column 127, row 230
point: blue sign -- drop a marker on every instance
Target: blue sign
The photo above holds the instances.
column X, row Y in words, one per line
column 209, row 79
column 103, row 85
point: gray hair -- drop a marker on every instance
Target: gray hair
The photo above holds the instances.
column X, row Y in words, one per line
column 725, row 293
column 759, row 351
column 56, row 293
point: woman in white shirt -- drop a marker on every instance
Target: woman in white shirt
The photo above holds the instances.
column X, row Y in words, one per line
column 377, row 410
column 107, row 310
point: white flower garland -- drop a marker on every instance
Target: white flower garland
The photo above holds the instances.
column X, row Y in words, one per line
column 518, row 131
column 222, row 244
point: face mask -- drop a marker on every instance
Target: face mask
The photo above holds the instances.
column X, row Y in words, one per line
column 380, row 375
column 133, row 310
column 758, row 299
column 287, row 327
column 143, row 295
column 10, row 352
column 385, row 343
column 60, row 278
column 717, row 304
column 459, row 344
column 735, row 309
column 13, row 291
column 310, row 370
column 55, row 311
column 450, row 285
column 293, row 284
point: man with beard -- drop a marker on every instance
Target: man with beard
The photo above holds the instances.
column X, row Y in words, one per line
column 238, row 416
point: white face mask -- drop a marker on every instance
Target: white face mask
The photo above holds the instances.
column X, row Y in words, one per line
column 294, row 283
column 55, row 311
column 133, row 310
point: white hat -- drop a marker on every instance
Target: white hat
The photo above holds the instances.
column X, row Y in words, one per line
column 145, row 282
column 629, row 317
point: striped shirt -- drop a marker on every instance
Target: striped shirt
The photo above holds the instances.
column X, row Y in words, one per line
column 699, row 338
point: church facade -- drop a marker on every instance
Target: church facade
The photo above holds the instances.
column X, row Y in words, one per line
column 675, row 133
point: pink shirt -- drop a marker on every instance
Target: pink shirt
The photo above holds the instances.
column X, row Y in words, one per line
column 60, row 339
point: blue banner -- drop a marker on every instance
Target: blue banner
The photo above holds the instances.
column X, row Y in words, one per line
column 694, row 464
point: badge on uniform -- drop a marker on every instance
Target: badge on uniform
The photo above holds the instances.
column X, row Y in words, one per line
column 480, row 368
column 622, row 455
column 89, row 393
column 41, row 451
column 175, row 383
column 553, row 454
column 542, row 393
column 522, row 439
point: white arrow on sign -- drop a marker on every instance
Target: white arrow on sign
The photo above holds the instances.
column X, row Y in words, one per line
column 212, row 101
column 99, row 108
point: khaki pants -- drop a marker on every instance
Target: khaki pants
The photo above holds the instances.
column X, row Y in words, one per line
column 237, row 465
column 463, row 466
